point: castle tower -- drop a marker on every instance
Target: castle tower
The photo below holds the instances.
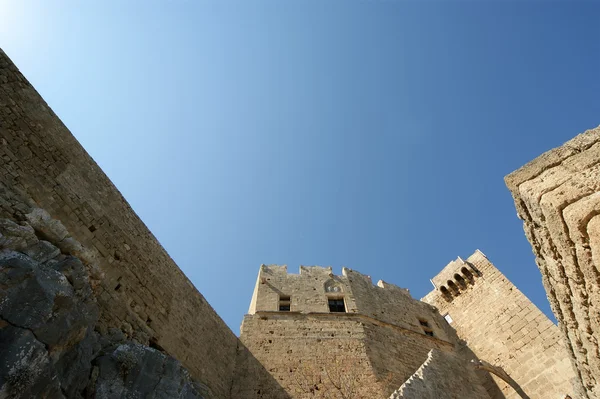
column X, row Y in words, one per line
column 316, row 331
column 503, row 327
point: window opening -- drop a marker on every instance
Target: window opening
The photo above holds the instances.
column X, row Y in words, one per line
column 461, row 281
column 284, row 303
column 445, row 293
column 468, row 275
column 337, row 305
column 426, row 327
column 453, row 287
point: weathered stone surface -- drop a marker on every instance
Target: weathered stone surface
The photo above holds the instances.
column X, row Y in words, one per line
column 52, row 229
column 48, row 313
column 25, row 367
column 49, row 181
column 41, row 251
column 46, row 324
column 134, row 370
column 503, row 327
column 381, row 339
column 15, row 236
column 557, row 195
column 442, row 376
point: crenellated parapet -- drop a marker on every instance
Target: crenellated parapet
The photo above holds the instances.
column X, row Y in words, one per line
column 316, row 289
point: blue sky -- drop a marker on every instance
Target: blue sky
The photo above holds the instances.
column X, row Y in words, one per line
column 367, row 134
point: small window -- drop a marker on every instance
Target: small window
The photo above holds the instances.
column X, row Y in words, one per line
column 337, row 305
column 284, row 303
column 426, row 327
column 448, row 318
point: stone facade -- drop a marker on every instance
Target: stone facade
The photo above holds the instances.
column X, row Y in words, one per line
column 501, row 326
column 113, row 315
column 557, row 196
column 384, row 333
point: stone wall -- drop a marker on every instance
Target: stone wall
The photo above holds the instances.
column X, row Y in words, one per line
column 310, row 290
column 309, row 355
column 501, row 326
column 382, row 339
column 307, row 290
column 444, row 375
column 140, row 290
column 557, row 196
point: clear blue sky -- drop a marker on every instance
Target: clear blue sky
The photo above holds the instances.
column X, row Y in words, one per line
column 369, row 134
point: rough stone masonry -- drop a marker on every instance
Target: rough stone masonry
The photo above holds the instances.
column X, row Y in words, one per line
column 557, row 195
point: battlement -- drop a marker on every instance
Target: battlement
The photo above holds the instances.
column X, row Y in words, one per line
column 274, row 269
column 320, row 272
column 316, row 270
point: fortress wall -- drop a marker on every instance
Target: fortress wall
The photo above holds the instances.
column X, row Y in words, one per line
column 394, row 305
column 557, row 195
column 395, row 355
column 442, row 372
column 381, row 331
column 307, row 354
column 501, row 326
column 142, row 291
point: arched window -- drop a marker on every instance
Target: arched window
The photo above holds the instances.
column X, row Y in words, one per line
column 453, row 288
column 461, row 281
column 445, row 293
column 468, row 275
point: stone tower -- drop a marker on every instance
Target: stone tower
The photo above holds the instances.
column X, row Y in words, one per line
column 500, row 325
column 315, row 330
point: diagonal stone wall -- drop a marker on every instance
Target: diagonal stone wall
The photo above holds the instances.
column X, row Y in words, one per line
column 444, row 375
column 139, row 289
column 557, row 195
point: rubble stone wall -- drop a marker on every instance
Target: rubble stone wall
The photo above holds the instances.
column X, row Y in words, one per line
column 501, row 326
column 557, row 195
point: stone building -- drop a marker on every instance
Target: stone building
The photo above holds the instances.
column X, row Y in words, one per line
column 92, row 306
